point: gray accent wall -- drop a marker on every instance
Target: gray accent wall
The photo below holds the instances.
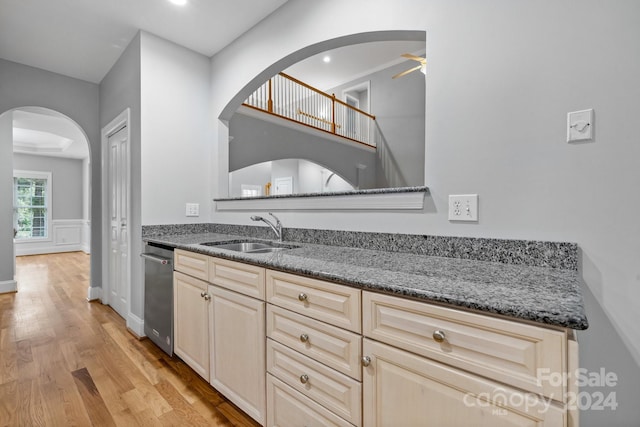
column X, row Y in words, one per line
column 66, row 177
column 119, row 90
column 6, row 196
column 22, row 86
column 399, row 107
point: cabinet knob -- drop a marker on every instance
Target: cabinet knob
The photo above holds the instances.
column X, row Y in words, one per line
column 206, row 296
column 203, row 293
column 439, row 336
column 304, row 378
column 302, row 296
column 304, row 338
column 366, row 361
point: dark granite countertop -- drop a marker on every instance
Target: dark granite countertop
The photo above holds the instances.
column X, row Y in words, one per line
column 545, row 295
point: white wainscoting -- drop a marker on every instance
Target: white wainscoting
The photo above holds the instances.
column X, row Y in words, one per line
column 86, row 236
column 66, row 236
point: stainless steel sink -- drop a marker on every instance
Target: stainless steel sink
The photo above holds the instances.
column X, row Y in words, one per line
column 250, row 246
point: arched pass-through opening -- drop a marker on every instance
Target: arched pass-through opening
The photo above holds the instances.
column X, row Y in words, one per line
column 314, row 49
column 50, row 146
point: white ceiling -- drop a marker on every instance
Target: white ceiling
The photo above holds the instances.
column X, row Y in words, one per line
column 84, row 38
column 351, row 62
column 44, row 132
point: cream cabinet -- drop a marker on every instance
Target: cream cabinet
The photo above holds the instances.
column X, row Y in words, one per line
column 237, row 343
column 190, row 322
column 296, row 351
column 426, row 365
column 313, row 352
column 404, row 389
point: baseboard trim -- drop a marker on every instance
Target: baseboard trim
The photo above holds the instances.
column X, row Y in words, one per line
column 47, row 250
column 135, row 325
column 8, row 286
column 94, row 294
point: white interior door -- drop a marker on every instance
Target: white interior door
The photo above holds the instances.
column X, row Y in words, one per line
column 119, row 224
column 284, row 185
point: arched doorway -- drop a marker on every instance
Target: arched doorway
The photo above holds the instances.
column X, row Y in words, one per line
column 49, row 170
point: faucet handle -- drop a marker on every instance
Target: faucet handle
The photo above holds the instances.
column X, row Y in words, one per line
column 274, row 217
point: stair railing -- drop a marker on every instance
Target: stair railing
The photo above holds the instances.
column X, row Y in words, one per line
column 292, row 99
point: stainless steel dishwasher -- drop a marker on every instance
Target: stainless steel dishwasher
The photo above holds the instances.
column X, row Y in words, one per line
column 158, row 295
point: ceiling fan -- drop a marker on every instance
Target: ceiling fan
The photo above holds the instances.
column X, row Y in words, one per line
column 422, row 67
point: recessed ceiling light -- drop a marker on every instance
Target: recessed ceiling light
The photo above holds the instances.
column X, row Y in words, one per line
column 327, row 59
column 179, row 2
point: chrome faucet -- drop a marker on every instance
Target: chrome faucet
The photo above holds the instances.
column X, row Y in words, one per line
column 277, row 228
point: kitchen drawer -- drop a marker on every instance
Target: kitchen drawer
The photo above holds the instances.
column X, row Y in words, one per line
column 335, row 347
column 335, row 391
column 503, row 350
column 335, row 304
column 191, row 263
column 243, row 278
column 288, row 408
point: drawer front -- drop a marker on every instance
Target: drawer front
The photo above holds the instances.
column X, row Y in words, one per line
column 335, row 304
column 335, row 347
column 503, row 350
column 191, row 263
column 288, row 408
column 335, row 391
column 404, row 389
column 243, row 278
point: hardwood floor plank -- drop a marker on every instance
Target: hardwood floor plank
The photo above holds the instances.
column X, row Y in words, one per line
column 67, row 362
column 96, row 408
column 8, row 403
column 181, row 406
column 236, row 416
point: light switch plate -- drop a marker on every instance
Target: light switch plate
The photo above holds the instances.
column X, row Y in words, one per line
column 580, row 125
column 463, row 207
column 193, row 209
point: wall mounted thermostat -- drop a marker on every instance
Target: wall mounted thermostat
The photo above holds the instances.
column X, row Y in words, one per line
column 580, row 125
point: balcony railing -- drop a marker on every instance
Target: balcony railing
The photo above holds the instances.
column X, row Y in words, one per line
column 289, row 98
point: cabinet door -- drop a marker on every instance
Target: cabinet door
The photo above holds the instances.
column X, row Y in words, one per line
column 404, row 389
column 190, row 322
column 237, row 339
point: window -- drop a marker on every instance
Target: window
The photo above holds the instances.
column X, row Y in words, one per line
column 31, row 204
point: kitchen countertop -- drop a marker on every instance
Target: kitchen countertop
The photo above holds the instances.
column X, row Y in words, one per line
column 545, row 295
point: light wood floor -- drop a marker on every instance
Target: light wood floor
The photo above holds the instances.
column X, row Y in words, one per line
column 67, row 362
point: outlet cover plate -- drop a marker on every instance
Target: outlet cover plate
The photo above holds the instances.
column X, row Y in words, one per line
column 463, row 207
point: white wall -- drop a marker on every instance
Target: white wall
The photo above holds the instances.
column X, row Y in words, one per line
column 501, row 77
column 176, row 138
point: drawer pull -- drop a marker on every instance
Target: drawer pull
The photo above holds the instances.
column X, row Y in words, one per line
column 304, row 378
column 304, row 338
column 366, row 361
column 439, row 336
column 302, row 296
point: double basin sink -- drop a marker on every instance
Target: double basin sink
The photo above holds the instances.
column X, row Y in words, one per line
column 251, row 246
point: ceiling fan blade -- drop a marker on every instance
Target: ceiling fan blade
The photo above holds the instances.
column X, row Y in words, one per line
column 414, row 57
column 404, row 73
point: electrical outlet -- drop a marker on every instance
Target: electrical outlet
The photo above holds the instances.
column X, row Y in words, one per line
column 463, row 207
column 193, row 209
